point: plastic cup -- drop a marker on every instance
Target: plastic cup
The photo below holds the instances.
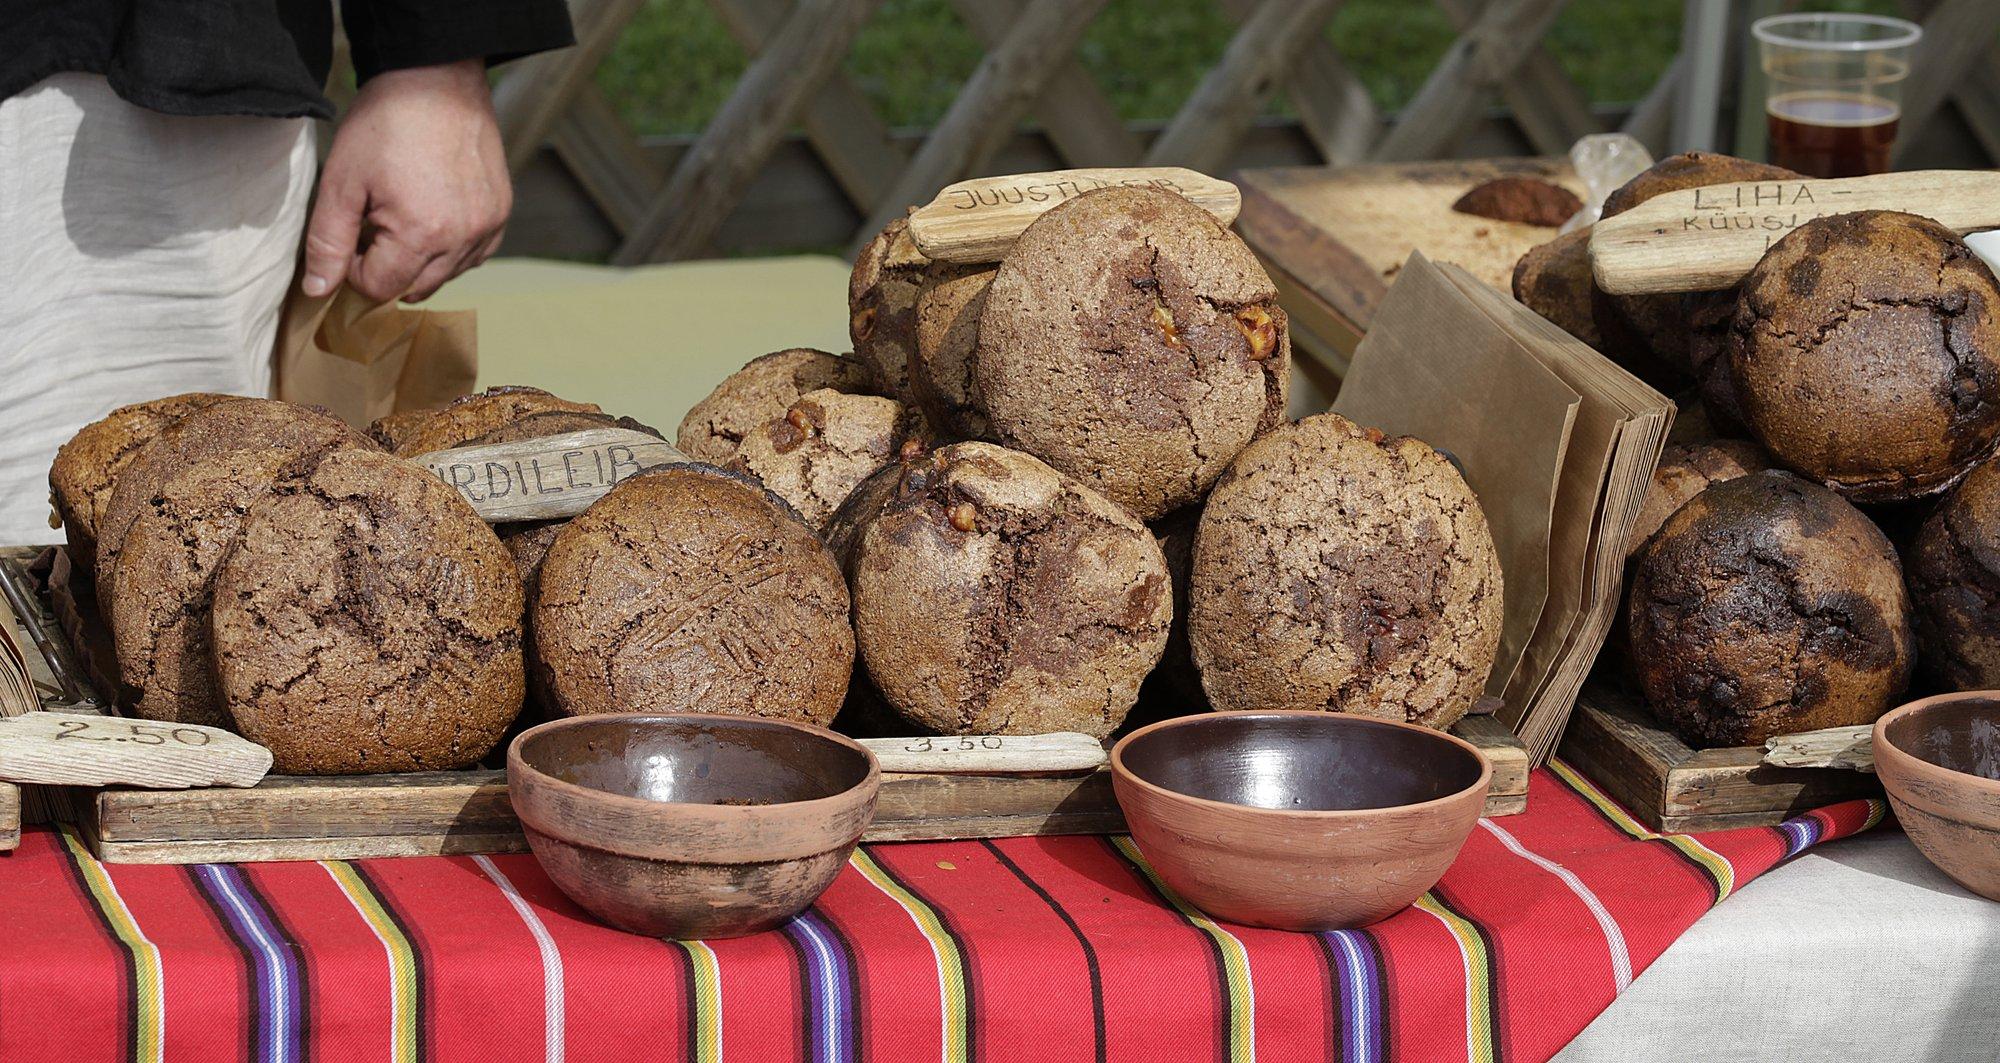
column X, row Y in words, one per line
column 1834, row 95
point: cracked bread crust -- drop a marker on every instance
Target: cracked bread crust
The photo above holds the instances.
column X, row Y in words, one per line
column 1117, row 345
column 1954, row 577
column 815, row 455
column 1338, row 569
column 1865, row 353
column 1686, row 470
column 882, row 307
column 165, row 582
column 946, row 374
column 994, row 595
column 690, row 589
column 468, row 417
column 367, row 620
column 223, row 428
column 87, row 467
column 760, row 392
column 1768, row 605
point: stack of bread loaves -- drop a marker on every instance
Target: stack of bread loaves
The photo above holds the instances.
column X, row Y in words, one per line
column 1860, row 361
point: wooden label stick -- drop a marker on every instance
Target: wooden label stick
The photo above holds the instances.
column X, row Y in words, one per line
column 978, row 220
column 1057, row 753
column 547, row 478
column 64, row 749
column 1703, row 239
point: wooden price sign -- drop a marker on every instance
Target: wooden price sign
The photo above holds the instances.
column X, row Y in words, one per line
column 64, row 749
column 548, row 478
column 1056, row 753
column 1703, row 239
column 978, row 220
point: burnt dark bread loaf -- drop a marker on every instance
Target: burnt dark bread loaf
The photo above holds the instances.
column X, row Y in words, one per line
column 690, row 589
column 222, row 428
column 994, row 595
column 1336, row 568
column 759, row 393
column 1648, row 334
column 165, row 582
column 1554, row 281
column 1866, row 355
column 815, row 455
column 1134, row 343
column 945, row 377
column 87, row 467
column 1525, row 200
column 367, row 620
column 1686, row 470
column 1768, row 605
column 882, row 306
column 471, row 416
column 1954, row 577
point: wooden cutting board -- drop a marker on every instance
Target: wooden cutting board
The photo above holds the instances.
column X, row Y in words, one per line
column 1334, row 238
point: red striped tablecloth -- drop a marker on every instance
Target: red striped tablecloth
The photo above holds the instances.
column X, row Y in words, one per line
column 1027, row 948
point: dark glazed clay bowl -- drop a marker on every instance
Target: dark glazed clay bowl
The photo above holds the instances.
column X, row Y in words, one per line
column 1298, row 820
column 688, row 825
column 1939, row 758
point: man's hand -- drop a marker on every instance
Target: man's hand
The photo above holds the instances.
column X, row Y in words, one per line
column 418, row 168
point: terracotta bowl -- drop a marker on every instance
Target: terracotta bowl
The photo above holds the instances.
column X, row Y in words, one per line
column 688, row 825
column 1939, row 758
column 1298, row 820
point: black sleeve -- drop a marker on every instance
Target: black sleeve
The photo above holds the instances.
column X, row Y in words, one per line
column 396, row 34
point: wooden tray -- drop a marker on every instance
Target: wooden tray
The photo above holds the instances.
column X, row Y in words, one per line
column 352, row 817
column 1333, row 238
column 1614, row 740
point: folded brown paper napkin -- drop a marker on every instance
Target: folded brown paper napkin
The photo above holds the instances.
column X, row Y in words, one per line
column 362, row 359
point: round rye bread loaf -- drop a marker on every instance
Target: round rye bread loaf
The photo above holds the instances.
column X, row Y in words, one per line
column 1954, row 577
column 1865, row 355
column 882, row 307
column 1686, row 470
column 1554, row 280
column 1335, row 568
column 87, row 467
column 1768, row 605
column 760, row 393
column 469, row 417
column 994, row 595
column 1131, row 341
column 368, row 621
column 689, row 589
column 824, row 446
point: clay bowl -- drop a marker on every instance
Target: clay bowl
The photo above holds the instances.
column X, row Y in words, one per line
column 1298, row 820
column 1939, row 758
column 687, row 825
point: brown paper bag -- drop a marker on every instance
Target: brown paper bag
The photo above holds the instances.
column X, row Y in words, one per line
column 363, row 360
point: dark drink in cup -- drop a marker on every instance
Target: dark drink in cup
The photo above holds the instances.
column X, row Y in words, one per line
column 1832, row 134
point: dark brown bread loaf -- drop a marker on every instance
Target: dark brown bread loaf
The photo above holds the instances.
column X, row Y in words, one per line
column 222, row 428
column 1954, row 570
column 469, row 417
column 689, row 589
column 1866, row 355
column 1526, row 200
column 1768, row 605
column 1132, row 342
column 367, row 620
column 882, row 307
column 946, row 373
column 87, row 467
column 824, row 446
column 1686, row 470
column 555, row 423
column 165, row 582
column 1649, row 334
column 1554, row 281
column 1338, row 569
column 994, row 595
column 760, row 393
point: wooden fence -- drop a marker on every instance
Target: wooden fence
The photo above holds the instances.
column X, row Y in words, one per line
column 589, row 188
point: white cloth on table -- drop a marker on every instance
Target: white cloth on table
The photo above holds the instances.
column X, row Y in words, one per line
column 1859, row 949
column 141, row 255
